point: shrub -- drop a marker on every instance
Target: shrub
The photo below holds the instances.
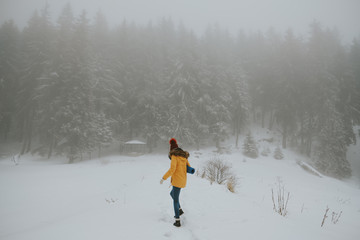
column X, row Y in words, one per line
column 265, row 152
column 216, row 170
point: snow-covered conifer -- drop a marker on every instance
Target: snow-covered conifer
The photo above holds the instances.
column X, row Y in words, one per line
column 278, row 154
column 249, row 148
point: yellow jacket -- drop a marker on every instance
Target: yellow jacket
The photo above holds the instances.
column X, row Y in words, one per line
column 177, row 171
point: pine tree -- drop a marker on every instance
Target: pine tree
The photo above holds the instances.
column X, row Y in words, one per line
column 278, row 154
column 36, row 61
column 331, row 131
column 352, row 94
column 78, row 110
column 79, row 128
column 9, row 75
column 331, row 151
column 249, row 148
column 182, row 91
column 54, row 85
column 239, row 105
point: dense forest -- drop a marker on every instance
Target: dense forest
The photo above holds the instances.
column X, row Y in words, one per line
column 74, row 86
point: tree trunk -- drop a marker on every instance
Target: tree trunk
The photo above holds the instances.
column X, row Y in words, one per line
column 263, row 118
column 6, row 122
column 302, row 139
column 28, row 147
column 284, row 137
column 237, row 139
column 72, row 154
column 52, row 141
column 26, row 139
column 217, row 143
column 237, row 132
column 23, row 146
column 309, row 145
column 309, row 139
column 99, row 155
column 271, row 121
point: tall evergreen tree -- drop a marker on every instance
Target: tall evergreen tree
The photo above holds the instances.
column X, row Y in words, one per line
column 77, row 113
column 331, row 151
column 55, row 83
column 36, row 57
column 249, row 147
column 331, row 127
column 9, row 75
column 353, row 90
column 240, row 99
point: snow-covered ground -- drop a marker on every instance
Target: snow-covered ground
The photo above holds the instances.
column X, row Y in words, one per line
column 119, row 197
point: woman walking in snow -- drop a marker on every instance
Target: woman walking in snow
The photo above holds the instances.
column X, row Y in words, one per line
column 177, row 171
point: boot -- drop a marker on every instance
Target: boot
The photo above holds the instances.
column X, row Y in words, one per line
column 177, row 222
column 181, row 212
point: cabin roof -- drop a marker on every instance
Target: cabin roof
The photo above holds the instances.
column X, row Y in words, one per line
column 135, row 142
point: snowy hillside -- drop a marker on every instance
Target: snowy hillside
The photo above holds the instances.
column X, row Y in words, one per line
column 120, row 197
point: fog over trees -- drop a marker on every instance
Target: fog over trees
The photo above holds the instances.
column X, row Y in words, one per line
column 76, row 85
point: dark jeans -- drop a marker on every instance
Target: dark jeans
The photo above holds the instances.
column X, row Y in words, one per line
column 175, row 193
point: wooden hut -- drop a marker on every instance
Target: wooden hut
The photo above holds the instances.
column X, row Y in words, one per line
column 134, row 148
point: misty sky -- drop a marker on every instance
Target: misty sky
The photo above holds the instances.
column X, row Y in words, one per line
column 249, row 15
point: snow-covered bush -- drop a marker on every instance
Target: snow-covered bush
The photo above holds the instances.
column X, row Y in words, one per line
column 217, row 170
column 249, row 148
column 278, row 153
column 265, row 152
column 16, row 159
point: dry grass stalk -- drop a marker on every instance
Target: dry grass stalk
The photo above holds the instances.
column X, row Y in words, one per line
column 231, row 184
column 335, row 217
column 280, row 205
column 325, row 216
